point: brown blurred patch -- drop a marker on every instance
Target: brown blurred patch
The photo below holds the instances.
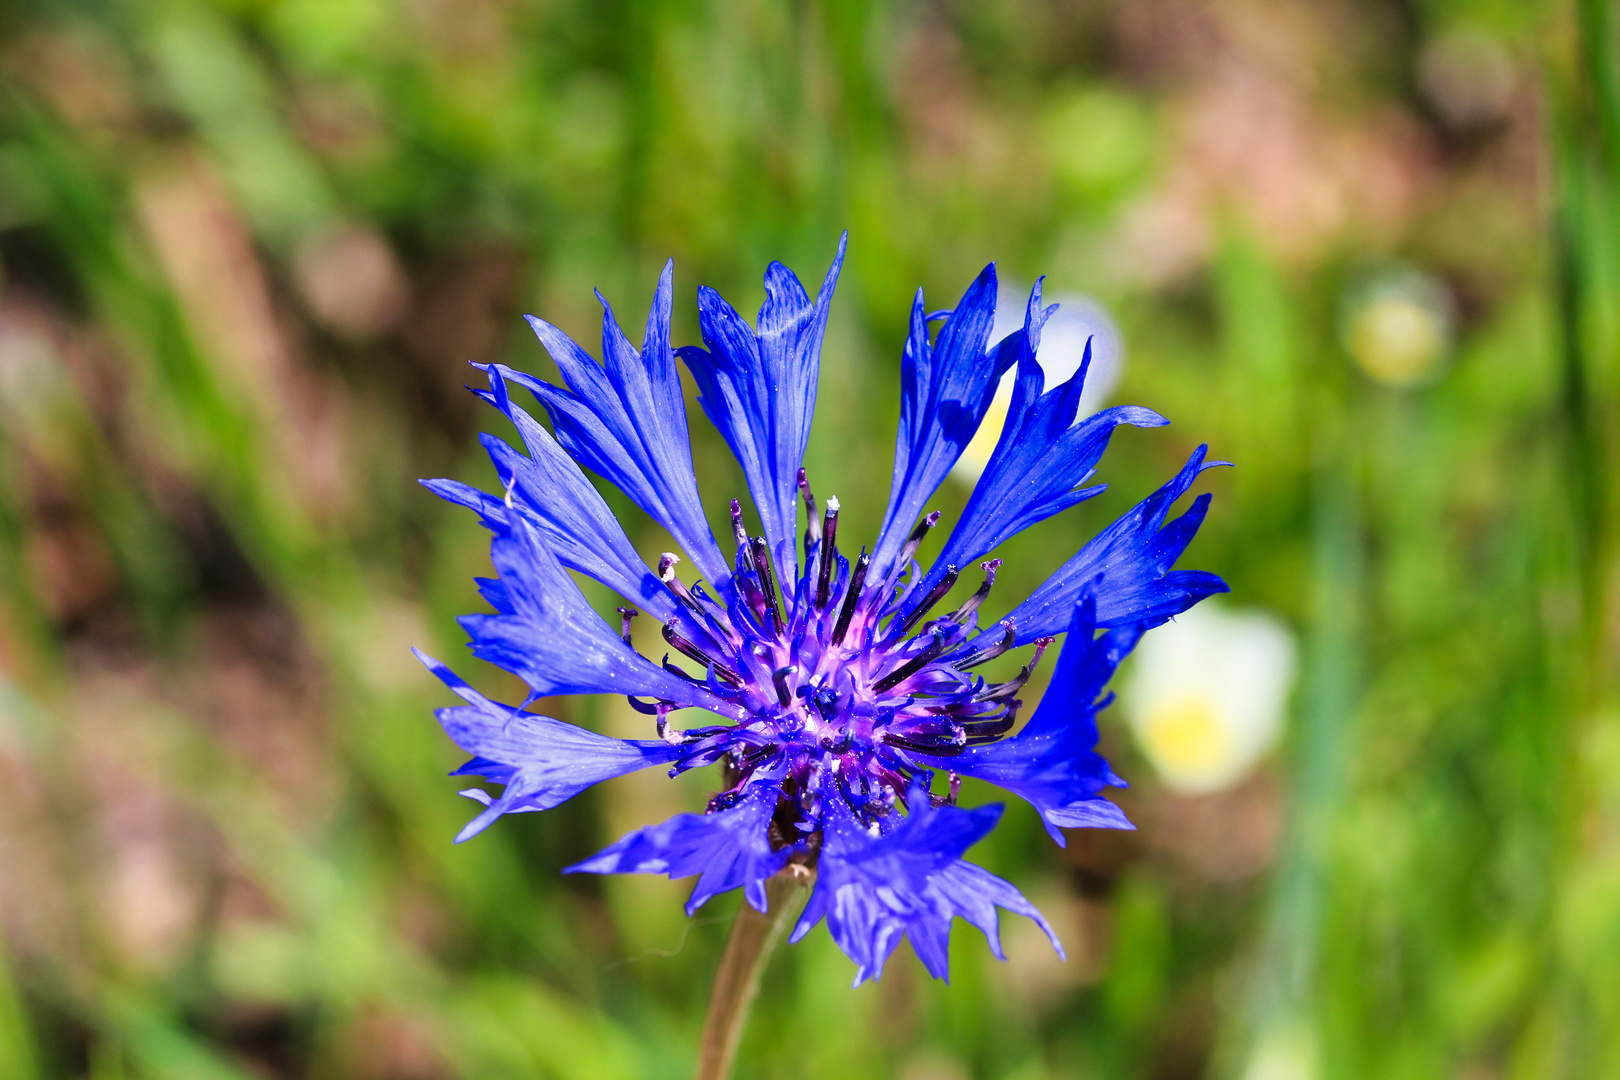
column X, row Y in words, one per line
column 340, row 119
column 1097, row 857
column 462, row 311
column 351, row 282
column 266, row 1040
column 83, row 75
column 210, row 259
column 1266, row 122
column 1187, row 1034
column 382, row 1045
column 154, row 870
column 1224, row 838
column 70, row 565
column 258, row 686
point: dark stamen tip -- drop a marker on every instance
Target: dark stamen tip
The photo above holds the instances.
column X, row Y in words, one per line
column 767, row 581
column 827, row 534
column 989, row 652
column 692, row 652
column 780, row 676
column 852, row 596
column 926, row 604
column 912, row 666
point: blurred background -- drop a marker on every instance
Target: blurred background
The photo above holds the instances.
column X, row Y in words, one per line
column 1367, row 249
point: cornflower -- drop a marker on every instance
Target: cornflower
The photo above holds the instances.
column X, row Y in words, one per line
column 839, row 686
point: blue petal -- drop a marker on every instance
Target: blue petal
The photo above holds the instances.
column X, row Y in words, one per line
column 625, row 419
column 543, row 762
column 908, row 881
column 551, row 491
column 1052, row 762
column 759, row 389
column 946, row 388
column 1125, row 568
column 1042, row 457
column 549, row 636
column 730, row 848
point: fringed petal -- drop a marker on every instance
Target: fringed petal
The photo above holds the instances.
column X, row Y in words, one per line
column 906, row 882
column 1126, row 568
column 625, row 420
column 1052, row 762
column 543, row 762
column 728, row 849
column 550, row 637
column 1042, row 458
column 945, row 390
column 759, row 389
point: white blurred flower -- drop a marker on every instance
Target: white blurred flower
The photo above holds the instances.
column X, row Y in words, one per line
column 1063, row 346
column 1206, row 695
column 1397, row 328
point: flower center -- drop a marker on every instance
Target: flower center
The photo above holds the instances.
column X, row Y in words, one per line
column 847, row 671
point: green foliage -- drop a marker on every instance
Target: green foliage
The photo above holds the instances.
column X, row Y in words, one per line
column 249, row 247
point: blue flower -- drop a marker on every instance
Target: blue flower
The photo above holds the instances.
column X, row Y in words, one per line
column 839, row 688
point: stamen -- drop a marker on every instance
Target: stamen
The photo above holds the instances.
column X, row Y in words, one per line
column 984, row 731
column 767, row 581
column 926, row 604
column 784, row 695
column 1016, row 683
column 666, row 574
column 812, row 525
column 956, row 788
column 914, row 541
column 737, row 524
column 829, row 552
column 695, row 653
column 710, row 616
column 852, row 596
column 625, row 615
column 990, row 652
column 966, row 611
column 943, row 749
column 912, row 666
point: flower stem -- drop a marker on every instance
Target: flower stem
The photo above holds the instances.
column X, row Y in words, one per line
column 736, row 981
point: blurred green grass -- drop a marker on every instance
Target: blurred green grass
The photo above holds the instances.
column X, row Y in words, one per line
column 249, row 247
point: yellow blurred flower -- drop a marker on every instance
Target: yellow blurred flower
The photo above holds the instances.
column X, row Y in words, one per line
column 1398, row 330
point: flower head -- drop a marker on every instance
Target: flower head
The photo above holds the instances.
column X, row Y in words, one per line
column 839, row 680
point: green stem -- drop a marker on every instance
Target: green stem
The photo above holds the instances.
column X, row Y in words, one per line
column 753, row 936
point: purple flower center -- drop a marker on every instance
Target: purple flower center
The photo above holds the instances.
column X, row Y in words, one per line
column 851, row 671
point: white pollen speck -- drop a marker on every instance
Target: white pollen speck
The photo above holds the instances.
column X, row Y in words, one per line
column 833, row 504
